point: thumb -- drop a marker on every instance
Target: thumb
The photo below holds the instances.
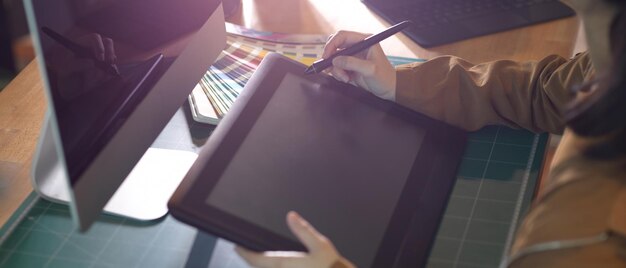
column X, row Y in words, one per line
column 311, row 238
column 354, row 64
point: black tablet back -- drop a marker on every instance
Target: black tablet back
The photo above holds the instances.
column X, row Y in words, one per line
column 371, row 175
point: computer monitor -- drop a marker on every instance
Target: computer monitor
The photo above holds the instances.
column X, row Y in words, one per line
column 115, row 72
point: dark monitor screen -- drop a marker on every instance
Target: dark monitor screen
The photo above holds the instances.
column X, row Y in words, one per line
column 102, row 57
column 115, row 72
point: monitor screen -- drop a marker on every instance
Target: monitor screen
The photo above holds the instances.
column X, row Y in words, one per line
column 115, row 72
column 101, row 58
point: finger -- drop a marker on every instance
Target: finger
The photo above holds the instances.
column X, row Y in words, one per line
column 97, row 47
column 354, row 64
column 109, row 50
column 306, row 233
column 340, row 74
column 272, row 259
column 341, row 39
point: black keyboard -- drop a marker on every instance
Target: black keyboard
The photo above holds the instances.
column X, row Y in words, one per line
column 442, row 21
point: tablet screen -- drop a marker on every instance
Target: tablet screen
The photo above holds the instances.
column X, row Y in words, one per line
column 346, row 185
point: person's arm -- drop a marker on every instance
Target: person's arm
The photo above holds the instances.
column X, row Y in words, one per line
column 518, row 94
column 529, row 95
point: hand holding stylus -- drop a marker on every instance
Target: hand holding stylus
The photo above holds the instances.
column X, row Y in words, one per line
column 357, row 47
column 370, row 69
column 358, row 59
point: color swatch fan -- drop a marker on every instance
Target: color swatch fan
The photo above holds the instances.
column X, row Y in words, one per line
column 222, row 83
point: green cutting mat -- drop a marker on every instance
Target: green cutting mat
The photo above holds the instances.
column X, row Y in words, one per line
column 496, row 178
column 495, row 184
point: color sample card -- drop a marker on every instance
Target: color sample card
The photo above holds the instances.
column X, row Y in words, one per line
column 225, row 79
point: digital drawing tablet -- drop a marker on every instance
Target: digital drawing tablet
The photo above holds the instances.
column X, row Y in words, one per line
column 369, row 174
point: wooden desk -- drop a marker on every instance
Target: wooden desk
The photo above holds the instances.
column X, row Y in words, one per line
column 22, row 103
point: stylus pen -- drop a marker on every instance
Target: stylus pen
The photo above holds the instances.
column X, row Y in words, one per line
column 322, row 64
column 80, row 51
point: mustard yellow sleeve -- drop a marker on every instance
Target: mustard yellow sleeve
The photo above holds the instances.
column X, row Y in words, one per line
column 529, row 95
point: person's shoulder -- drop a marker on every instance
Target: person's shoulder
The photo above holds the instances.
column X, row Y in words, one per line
column 580, row 221
column 581, row 199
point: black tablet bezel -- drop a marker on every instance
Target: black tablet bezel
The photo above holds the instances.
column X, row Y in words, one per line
column 416, row 217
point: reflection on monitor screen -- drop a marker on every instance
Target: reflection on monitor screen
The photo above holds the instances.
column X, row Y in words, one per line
column 115, row 72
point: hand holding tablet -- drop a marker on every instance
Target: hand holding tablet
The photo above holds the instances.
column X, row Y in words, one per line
column 291, row 139
column 321, row 251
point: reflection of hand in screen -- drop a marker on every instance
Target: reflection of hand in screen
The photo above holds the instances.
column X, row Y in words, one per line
column 78, row 71
column 101, row 47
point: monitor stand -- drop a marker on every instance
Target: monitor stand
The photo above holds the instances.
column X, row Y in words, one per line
column 139, row 197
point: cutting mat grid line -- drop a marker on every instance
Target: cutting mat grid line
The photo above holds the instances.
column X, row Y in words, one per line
column 490, row 178
column 37, row 240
